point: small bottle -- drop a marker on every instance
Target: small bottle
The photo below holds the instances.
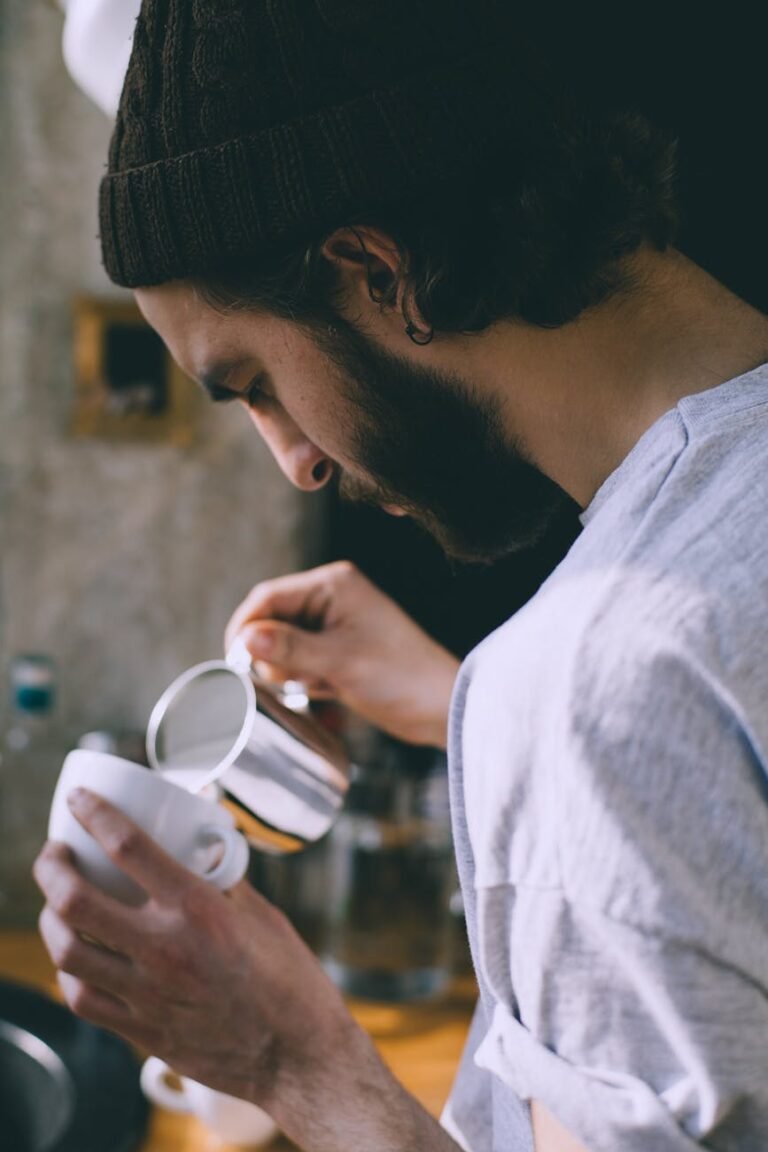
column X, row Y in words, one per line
column 30, row 758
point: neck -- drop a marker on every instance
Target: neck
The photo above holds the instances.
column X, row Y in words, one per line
column 576, row 399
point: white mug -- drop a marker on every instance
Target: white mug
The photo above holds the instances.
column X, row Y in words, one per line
column 233, row 1121
column 195, row 831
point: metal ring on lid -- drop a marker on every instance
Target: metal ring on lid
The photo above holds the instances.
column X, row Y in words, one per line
column 174, row 691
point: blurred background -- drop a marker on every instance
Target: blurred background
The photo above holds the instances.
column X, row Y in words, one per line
column 122, row 558
column 134, row 516
column 130, row 531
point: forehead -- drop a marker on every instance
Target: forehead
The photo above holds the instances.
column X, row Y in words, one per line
column 192, row 329
column 210, row 345
column 199, row 335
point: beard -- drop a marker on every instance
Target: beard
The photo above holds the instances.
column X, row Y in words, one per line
column 439, row 451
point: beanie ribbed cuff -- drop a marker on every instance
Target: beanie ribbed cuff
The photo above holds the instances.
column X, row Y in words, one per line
column 179, row 217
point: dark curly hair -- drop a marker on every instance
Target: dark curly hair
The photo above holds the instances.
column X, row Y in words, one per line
column 539, row 237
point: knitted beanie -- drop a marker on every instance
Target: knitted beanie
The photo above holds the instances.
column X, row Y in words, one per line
column 247, row 124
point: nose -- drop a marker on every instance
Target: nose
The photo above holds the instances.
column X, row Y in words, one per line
column 297, row 457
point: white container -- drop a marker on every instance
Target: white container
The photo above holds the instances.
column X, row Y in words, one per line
column 198, row 833
column 233, row 1121
column 97, row 42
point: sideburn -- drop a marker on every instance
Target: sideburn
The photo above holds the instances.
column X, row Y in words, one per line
column 434, row 447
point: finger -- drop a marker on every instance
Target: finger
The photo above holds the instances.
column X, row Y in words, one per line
column 92, row 1004
column 301, row 596
column 274, row 674
column 297, row 654
column 106, row 970
column 80, row 904
column 129, row 847
column 98, row 1007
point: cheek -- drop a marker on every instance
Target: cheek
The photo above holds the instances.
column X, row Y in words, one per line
column 319, row 420
column 271, row 431
column 283, row 436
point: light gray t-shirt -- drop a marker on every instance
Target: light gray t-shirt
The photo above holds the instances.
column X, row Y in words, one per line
column 609, row 775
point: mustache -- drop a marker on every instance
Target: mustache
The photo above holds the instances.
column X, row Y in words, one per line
column 371, row 493
column 354, row 491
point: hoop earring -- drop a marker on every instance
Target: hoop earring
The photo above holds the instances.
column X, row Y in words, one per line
column 416, row 336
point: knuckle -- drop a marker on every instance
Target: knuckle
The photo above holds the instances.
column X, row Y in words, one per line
column 257, row 595
column 50, row 854
column 72, row 989
column 79, row 998
column 64, row 950
column 69, row 901
column 125, row 843
column 345, row 570
column 39, row 869
column 47, row 927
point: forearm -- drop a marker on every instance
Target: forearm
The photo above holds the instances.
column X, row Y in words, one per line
column 350, row 1101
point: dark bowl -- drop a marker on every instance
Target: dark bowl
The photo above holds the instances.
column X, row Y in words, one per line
column 65, row 1086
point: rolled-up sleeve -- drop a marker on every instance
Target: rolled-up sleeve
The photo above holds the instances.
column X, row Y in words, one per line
column 634, row 1042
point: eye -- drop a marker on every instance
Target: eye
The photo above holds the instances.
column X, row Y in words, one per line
column 220, row 395
column 254, row 395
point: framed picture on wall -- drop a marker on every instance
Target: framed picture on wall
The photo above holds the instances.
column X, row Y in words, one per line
column 127, row 386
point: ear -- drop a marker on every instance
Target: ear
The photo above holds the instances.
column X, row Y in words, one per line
column 368, row 262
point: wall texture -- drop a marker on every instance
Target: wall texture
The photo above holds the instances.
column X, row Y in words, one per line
column 121, row 561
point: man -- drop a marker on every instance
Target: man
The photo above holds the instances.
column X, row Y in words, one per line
column 433, row 277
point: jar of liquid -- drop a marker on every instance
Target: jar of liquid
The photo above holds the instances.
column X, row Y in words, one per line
column 387, row 931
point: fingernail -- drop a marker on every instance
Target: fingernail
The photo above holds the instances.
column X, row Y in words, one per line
column 76, row 797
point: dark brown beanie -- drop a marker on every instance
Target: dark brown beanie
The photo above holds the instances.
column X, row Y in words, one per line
column 244, row 124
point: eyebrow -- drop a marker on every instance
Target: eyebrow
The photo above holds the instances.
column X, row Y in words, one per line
column 215, row 380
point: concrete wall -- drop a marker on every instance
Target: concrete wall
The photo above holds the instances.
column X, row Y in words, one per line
column 123, row 561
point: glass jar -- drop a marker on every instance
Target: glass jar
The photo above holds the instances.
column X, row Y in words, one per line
column 389, row 871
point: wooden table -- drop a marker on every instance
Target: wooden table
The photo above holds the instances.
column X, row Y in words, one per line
column 421, row 1043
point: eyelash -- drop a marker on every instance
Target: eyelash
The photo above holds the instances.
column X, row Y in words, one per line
column 253, row 395
column 220, row 395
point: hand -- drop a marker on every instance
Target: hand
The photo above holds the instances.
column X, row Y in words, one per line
column 334, row 630
column 219, row 985
column 222, row 988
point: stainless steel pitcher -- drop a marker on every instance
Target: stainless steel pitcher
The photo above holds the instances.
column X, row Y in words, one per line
column 283, row 775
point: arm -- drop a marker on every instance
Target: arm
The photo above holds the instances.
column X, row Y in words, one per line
column 222, row 988
column 336, row 631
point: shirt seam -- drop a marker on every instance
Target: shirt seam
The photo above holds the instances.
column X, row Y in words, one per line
column 620, row 481
column 700, row 422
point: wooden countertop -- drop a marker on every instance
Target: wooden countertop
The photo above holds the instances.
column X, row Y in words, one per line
column 420, row 1042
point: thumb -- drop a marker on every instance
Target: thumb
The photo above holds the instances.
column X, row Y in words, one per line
column 298, row 653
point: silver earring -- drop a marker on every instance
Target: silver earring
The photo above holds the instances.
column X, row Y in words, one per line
column 418, row 337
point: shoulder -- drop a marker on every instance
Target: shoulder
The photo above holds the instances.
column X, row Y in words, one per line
column 614, row 745
column 662, row 769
